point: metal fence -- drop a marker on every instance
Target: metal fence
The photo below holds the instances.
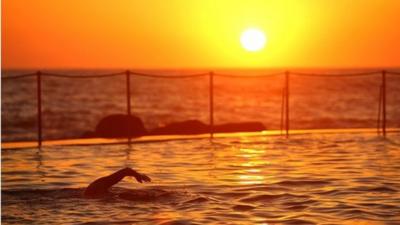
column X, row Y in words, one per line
column 285, row 106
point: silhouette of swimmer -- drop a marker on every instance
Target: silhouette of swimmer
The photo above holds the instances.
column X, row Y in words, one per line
column 100, row 187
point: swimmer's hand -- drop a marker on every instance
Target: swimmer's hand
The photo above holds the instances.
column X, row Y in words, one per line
column 140, row 177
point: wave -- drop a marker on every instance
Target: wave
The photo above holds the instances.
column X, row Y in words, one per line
column 271, row 197
column 304, row 183
column 51, row 193
column 243, row 207
column 69, row 193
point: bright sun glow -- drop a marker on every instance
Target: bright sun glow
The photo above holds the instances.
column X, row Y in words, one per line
column 253, row 39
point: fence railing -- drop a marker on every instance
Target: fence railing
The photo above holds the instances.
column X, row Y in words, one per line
column 285, row 112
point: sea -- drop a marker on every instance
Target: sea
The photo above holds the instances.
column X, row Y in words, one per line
column 346, row 177
column 72, row 107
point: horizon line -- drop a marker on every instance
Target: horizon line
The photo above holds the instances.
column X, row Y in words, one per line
column 206, row 68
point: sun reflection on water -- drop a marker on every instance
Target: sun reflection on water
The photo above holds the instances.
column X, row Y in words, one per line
column 315, row 179
column 252, row 162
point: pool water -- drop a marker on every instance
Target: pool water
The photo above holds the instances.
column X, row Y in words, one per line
column 345, row 178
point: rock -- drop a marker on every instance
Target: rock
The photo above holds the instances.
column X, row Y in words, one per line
column 89, row 134
column 120, row 125
column 185, row 127
column 198, row 127
column 239, row 127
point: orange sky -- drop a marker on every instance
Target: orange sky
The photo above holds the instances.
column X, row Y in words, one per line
column 198, row 33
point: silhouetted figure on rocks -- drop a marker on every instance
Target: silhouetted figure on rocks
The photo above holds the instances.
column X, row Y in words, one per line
column 100, row 187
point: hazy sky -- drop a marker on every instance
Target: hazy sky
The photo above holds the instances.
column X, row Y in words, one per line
column 199, row 33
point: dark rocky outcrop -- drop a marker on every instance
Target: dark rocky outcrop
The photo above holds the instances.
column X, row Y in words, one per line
column 239, row 127
column 120, row 125
column 185, row 127
column 198, row 127
column 89, row 134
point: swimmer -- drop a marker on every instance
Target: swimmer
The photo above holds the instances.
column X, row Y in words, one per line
column 100, row 187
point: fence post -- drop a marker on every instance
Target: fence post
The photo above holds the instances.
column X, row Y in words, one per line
column 39, row 106
column 211, row 95
column 283, row 108
column 128, row 97
column 378, row 121
column 384, row 103
column 128, row 92
column 287, row 73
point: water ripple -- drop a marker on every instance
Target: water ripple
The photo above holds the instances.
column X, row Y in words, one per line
column 309, row 179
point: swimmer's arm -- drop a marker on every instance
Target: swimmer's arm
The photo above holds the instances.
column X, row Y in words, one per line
column 99, row 187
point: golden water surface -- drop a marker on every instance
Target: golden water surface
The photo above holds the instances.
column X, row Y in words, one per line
column 343, row 178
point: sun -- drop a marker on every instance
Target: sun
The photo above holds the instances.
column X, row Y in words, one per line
column 253, row 39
